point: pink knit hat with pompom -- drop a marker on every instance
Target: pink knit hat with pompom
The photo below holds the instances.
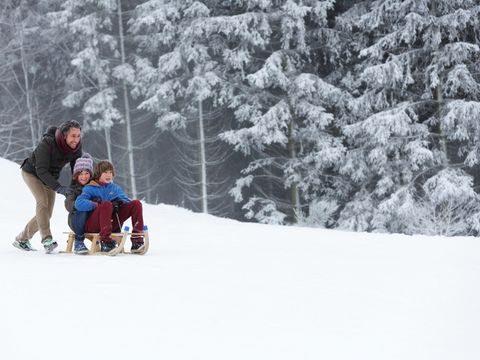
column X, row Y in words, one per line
column 84, row 163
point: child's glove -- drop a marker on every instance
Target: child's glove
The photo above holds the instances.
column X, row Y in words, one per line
column 117, row 203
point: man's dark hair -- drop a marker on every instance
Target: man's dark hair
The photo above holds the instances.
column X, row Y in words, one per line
column 67, row 125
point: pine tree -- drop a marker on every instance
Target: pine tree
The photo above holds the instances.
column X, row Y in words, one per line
column 31, row 77
column 284, row 109
column 100, row 73
column 416, row 105
column 179, row 80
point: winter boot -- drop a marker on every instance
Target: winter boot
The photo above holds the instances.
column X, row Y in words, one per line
column 137, row 245
column 49, row 244
column 107, row 245
column 79, row 247
column 23, row 245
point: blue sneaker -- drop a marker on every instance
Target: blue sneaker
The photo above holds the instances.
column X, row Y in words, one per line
column 79, row 247
column 49, row 244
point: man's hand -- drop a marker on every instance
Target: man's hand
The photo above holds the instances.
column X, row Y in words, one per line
column 64, row 190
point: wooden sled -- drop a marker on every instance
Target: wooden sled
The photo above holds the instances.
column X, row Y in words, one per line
column 119, row 238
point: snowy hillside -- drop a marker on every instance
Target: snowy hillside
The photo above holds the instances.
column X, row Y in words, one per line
column 213, row 289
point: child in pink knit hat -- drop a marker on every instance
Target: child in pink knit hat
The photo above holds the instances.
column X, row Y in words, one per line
column 82, row 173
column 83, row 163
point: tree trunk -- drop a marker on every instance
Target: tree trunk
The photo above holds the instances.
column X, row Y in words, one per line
column 443, row 138
column 127, row 107
column 203, row 163
column 294, row 193
column 108, row 141
column 27, row 85
column 438, row 96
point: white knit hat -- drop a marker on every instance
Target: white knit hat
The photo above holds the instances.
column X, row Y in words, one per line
column 84, row 163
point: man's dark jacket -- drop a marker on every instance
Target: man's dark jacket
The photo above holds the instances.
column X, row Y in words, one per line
column 48, row 159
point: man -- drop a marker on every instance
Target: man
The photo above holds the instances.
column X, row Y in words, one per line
column 40, row 172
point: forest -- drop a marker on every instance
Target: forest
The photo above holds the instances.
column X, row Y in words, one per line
column 356, row 115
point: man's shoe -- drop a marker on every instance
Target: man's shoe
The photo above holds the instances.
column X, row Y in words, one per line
column 23, row 245
column 49, row 244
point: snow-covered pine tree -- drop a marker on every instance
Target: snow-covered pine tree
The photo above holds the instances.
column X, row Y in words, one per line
column 276, row 51
column 100, row 73
column 31, row 76
column 179, row 80
column 445, row 205
column 415, row 116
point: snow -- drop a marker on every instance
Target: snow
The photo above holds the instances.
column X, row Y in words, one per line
column 213, row 288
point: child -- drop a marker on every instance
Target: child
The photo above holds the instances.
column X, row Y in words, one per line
column 110, row 208
column 82, row 173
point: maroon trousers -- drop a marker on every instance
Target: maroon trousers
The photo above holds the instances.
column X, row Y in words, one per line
column 104, row 221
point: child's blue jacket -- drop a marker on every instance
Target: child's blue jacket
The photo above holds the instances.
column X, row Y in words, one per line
column 94, row 193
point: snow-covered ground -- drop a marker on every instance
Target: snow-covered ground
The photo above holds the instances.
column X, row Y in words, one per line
column 213, row 288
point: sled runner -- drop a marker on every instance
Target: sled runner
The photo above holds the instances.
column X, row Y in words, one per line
column 119, row 238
